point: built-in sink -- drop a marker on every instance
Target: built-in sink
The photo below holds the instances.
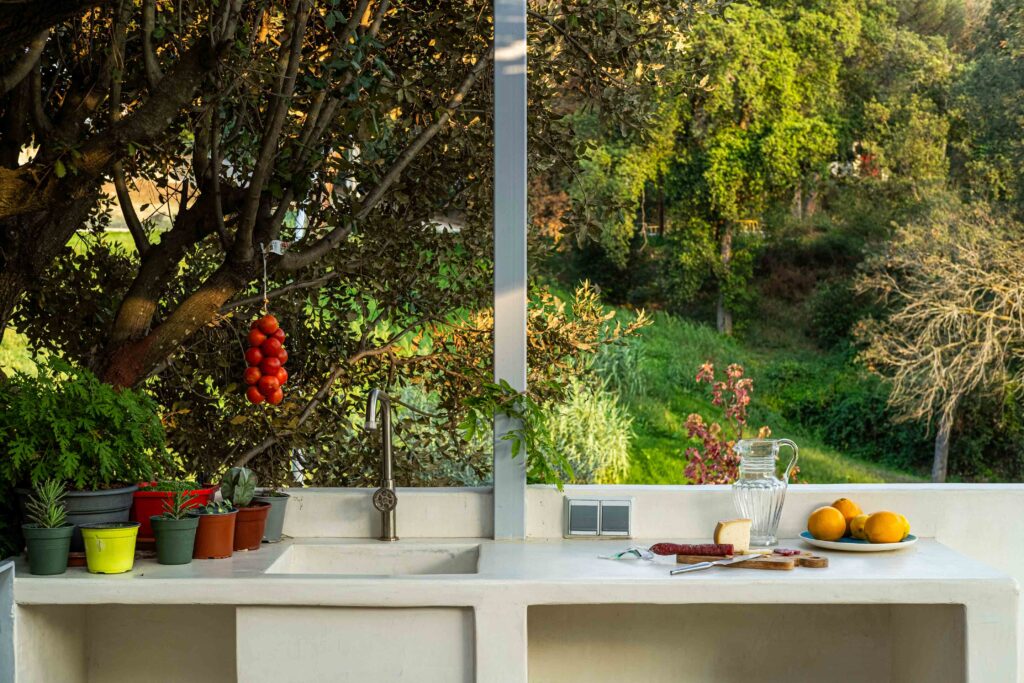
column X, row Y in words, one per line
column 377, row 559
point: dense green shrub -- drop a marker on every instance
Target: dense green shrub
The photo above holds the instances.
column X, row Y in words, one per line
column 64, row 423
column 593, row 431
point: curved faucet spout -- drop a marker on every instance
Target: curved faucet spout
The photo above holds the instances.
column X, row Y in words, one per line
column 384, row 499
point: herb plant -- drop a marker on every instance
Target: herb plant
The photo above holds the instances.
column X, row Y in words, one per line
column 65, row 424
column 46, row 506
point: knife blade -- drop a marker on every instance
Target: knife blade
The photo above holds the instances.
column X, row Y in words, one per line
column 707, row 565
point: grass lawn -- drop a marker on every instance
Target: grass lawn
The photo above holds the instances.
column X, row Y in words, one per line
column 664, row 392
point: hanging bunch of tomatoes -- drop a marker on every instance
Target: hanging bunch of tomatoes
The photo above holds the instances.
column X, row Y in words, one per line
column 266, row 357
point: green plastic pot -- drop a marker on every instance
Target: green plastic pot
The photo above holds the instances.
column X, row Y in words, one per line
column 110, row 546
column 47, row 548
column 175, row 538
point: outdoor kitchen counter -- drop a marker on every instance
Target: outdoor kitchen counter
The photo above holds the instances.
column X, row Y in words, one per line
column 515, row 575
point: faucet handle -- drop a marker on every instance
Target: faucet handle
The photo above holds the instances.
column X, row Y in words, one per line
column 385, row 499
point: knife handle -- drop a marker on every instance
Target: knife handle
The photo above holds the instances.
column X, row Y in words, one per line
column 692, row 568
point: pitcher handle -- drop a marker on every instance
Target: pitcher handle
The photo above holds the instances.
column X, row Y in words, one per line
column 792, row 463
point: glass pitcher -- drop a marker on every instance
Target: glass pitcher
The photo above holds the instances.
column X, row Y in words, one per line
column 758, row 492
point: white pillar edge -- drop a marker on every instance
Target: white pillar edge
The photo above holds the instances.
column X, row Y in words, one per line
column 509, row 254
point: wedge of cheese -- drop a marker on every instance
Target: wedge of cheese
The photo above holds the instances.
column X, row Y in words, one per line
column 736, row 532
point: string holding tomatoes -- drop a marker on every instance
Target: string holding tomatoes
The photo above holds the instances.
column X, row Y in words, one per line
column 265, row 357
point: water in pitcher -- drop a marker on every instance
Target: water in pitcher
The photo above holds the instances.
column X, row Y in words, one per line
column 759, row 493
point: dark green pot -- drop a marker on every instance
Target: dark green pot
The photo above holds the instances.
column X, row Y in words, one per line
column 47, row 548
column 175, row 539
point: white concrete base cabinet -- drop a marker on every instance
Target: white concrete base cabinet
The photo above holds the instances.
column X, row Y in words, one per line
column 448, row 603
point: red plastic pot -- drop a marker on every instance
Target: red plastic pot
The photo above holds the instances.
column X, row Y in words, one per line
column 146, row 504
column 249, row 526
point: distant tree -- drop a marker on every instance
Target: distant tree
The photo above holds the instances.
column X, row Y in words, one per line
column 954, row 289
column 990, row 142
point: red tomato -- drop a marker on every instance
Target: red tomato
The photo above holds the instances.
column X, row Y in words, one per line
column 268, row 384
column 282, row 376
column 253, row 356
column 270, row 366
column 279, row 334
column 252, row 375
column 276, row 397
column 256, row 337
column 282, row 356
column 268, row 324
column 271, row 347
column 254, row 395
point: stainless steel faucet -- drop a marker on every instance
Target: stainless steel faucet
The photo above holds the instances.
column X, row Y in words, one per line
column 384, row 498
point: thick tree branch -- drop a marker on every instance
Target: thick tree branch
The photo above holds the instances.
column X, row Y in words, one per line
column 124, row 199
column 23, row 66
column 152, row 66
column 300, row 259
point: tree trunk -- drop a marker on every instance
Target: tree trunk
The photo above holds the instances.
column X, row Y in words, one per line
column 132, row 361
column 940, row 465
column 724, row 314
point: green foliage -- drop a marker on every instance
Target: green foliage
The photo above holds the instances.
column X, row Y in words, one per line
column 620, row 367
column 179, row 505
column 65, row 424
column 239, row 486
column 46, row 508
column 593, row 431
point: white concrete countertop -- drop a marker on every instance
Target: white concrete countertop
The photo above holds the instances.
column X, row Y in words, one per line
column 512, row 576
column 531, row 572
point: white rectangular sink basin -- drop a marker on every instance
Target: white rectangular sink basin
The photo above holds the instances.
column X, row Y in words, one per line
column 364, row 559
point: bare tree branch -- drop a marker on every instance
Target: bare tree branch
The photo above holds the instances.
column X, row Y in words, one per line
column 305, row 284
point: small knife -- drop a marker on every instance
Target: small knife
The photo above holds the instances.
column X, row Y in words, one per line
column 707, row 565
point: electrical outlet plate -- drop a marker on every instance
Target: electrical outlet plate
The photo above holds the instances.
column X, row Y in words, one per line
column 598, row 517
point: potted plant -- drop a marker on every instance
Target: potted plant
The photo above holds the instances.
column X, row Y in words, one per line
column 239, row 486
column 175, row 529
column 110, row 546
column 63, row 423
column 278, row 502
column 215, row 536
column 153, row 497
column 47, row 533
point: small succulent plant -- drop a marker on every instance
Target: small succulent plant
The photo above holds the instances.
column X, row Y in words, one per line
column 239, row 486
column 46, row 507
column 217, row 507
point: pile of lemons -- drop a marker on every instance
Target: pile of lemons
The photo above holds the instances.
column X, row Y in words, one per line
column 845, row 518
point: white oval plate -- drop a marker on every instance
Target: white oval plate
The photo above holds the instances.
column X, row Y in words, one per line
column 855, row 545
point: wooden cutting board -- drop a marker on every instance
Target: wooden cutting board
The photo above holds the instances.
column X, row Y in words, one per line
column 771, row 562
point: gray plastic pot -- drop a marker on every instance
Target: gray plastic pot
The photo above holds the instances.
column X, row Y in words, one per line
column 91, row 507
column 275, row 519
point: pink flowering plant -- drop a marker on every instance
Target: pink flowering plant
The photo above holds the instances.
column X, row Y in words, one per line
column 714, row 461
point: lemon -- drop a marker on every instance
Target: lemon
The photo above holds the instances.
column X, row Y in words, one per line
column 857, row 527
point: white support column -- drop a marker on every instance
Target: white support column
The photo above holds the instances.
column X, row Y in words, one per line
column 509, row 253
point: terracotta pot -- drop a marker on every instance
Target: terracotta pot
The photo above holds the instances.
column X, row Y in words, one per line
column 215, row 536
column 249, row 526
